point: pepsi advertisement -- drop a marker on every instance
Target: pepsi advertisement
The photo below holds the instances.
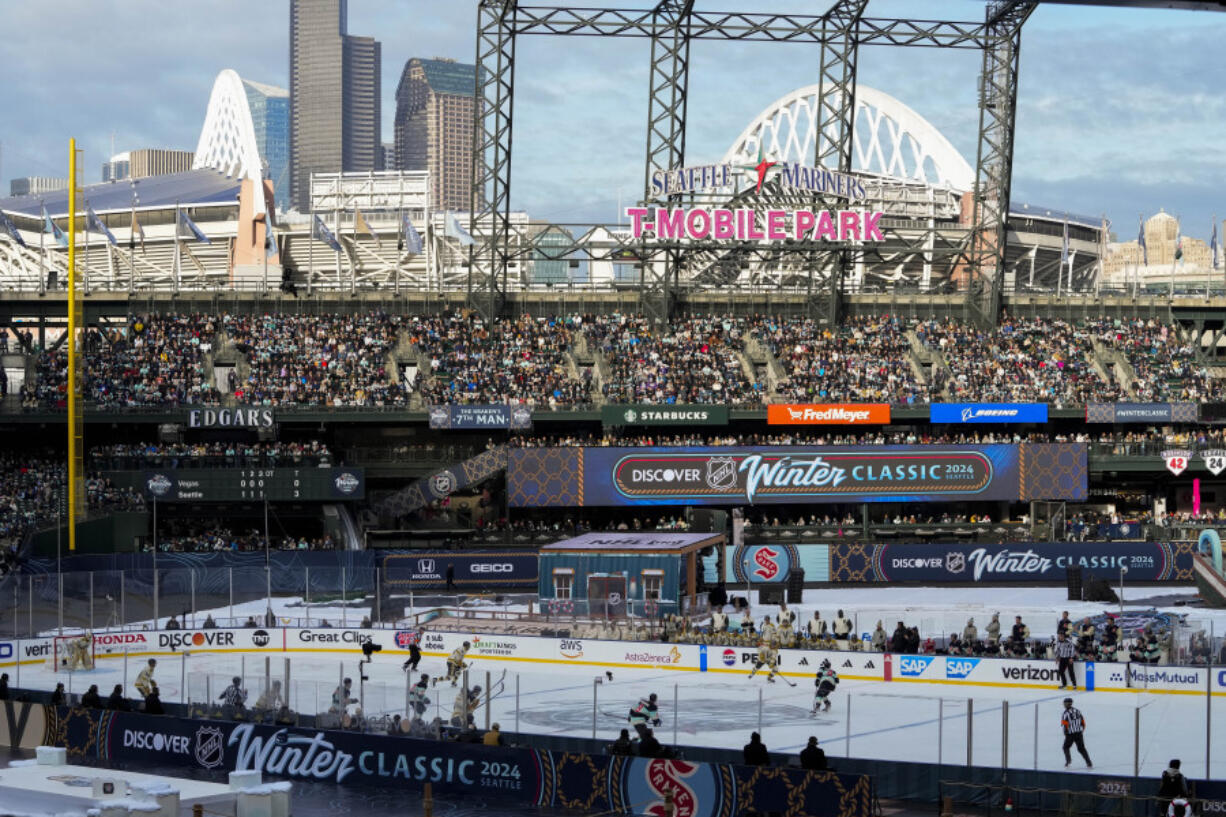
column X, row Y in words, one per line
column 987, row 413
column 791, row 474
column 1029, row 562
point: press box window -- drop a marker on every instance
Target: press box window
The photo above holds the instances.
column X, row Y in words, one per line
column 563, row 580
column 653, row 582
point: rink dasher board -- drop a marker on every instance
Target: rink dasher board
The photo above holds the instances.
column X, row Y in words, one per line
column 641, row 655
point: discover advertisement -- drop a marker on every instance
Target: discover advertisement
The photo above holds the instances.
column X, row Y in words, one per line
column 1025, row 562
column 546, row 477
column 987, row 413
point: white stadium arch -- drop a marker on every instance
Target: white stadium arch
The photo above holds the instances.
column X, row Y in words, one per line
column 227, row 140
column 891, row 140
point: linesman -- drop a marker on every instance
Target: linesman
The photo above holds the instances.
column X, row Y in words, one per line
column 1074, row 725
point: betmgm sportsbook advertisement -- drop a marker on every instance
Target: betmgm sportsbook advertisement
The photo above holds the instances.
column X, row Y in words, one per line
column 787, row 474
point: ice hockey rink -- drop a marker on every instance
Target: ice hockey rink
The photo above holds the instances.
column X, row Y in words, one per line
column 913, row 721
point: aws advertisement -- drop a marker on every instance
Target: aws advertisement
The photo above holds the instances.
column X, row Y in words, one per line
column 789, row 474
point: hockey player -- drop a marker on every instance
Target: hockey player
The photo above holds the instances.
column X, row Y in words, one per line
column 417, row 695
column 79, row 652
column 643, row 713
column 768, row 656
column 825, row 682
column 144, row 681
column 455, row 664
column 768, row 632
column 465, row 705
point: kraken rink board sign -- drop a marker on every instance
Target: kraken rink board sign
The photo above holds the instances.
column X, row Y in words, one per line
column 1029, row 562
column 788, row 474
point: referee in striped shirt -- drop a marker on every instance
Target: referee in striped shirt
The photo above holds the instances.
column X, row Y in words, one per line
column 1074, row 724
column 1065, row 650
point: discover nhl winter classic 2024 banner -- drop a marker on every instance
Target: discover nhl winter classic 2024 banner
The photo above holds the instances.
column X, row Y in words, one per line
column 571, row 477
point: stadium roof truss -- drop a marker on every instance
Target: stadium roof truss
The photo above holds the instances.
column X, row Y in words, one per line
column 891, row 142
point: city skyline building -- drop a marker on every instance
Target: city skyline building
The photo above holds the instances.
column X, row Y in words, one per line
column 269, row 107
column 334, row 88
column 434, row 127
column 34, row 185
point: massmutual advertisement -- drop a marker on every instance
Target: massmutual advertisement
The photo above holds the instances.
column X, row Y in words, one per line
column 987, row 413
column 786, row 474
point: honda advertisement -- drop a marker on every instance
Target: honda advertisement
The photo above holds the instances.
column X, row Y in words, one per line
column 1036, row 561
column 987, row 413
column 433, row 570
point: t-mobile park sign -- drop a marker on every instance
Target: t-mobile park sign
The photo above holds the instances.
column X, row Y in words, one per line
column 744, row 224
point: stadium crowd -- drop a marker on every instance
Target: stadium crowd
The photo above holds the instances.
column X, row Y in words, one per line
column 864, row 360
column 189, row 536
column 696, row 361
column 511, row 360
column 120, row 456
column 28, row 493
column 316, row 360
column 1166, row 367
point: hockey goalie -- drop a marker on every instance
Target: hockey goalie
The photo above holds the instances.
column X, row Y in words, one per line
column 80, row 653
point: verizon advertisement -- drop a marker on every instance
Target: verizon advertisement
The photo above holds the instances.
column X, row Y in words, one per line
column 826, row 414
column 431, row 570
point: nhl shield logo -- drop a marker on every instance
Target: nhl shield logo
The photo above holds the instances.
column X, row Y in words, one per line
column 721, row 473
column 955, row 562
column 210, row 747
column 442, row 484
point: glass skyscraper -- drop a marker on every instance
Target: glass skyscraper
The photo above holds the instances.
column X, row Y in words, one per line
column 270, row 117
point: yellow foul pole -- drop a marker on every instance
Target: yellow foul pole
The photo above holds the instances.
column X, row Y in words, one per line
column 76, row 482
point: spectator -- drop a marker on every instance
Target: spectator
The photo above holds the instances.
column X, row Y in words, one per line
column 755, row 753
column 117, row 702
column 622, row 746
column 91, row 699
column 1173, row 785
column 58, row 697
column 812, row 757
column 649, row 746
column 494, row 736
column 172, row 624
column 4, row 686
column 153, row 703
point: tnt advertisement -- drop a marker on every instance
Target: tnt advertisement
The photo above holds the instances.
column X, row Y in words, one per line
column 763, row 564
column 794, row 474
column 425, row 570
column 1038, row 561
column 987, row 413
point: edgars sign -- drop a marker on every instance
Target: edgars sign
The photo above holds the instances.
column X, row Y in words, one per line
column 230, row 418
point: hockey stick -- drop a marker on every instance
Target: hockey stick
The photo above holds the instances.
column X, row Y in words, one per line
column 499, row 686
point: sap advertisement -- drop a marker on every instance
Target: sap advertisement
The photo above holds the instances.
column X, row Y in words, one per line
column 987, row 413
column 787, row 474
column 1037, row 561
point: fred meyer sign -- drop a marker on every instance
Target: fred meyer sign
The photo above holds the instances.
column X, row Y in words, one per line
column 679, row 415
column 781, row 414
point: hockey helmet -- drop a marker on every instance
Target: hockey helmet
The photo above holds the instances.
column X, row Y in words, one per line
column 466, row 645
column 825, row 664
column 652, row 697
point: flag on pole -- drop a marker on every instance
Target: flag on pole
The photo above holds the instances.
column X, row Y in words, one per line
column 320, row 230
column 1178, row 245
column 454, row 230
column 193, row 231
column 270, row 242
column 359, row 223
column 50, row 226
column 1141, row 242
column 412, row 237
column 10, row 228
column 1213, row 244
column 97, row 224
column 1064, row 246
column 136, row 231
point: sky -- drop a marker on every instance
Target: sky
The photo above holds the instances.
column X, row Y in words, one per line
column 1120, row 111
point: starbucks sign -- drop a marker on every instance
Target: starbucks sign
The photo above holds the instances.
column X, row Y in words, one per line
column 665, row 415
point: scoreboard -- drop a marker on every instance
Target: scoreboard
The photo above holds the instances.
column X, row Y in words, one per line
column 249, row 484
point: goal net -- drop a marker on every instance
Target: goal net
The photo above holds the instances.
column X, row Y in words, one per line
column 71, row 653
